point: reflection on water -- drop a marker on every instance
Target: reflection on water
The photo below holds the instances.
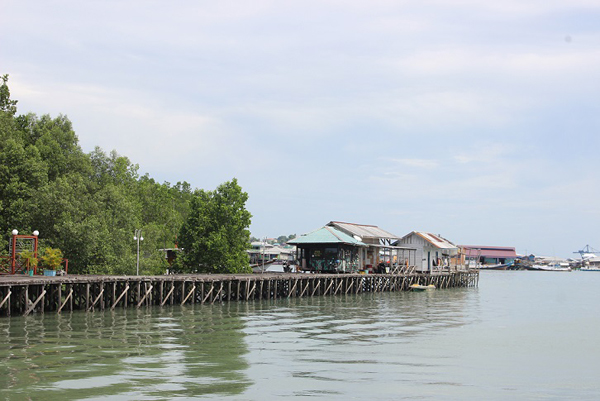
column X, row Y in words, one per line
column 219, row 350
column 514, row 337
column 135, row 354
column 335, row 347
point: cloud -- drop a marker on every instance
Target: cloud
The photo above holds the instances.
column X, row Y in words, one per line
column 484, row 154
column 147, row 130
column 323, row 107
column 428, row 164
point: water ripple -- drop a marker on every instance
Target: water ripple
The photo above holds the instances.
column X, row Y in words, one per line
column 452, row 344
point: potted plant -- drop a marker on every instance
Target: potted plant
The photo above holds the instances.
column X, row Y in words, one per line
column 30, row 261
column 51, row 259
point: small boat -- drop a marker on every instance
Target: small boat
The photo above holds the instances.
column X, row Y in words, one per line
column 549, row 268
column 419, row 287
column 498, row 266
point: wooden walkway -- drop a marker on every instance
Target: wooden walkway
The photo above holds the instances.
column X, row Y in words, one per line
column 22, row 295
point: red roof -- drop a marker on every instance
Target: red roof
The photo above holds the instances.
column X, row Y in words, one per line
column 489, row 251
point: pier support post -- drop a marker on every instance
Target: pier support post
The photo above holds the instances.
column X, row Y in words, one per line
column 145, row 295
column 32, row 307
column 6, row 298
column 188, row 295
column 67, row 299
column 121, row 296
column 96, row 300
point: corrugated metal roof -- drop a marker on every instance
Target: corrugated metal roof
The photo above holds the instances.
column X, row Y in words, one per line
column 489, row 251
column 363, row 230
column 437, row 241
column 326, row 235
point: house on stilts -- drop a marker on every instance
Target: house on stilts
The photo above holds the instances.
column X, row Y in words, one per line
column 349, row 247
column 433, row 252
column 328, row 250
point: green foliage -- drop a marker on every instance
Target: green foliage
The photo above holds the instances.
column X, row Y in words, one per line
column 52, row 258
column 87, row 205
column 29, row 258
column 215, row 235
column 283, row 239
column 6, row 104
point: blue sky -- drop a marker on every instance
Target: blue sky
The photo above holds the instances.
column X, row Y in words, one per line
column 475, row 120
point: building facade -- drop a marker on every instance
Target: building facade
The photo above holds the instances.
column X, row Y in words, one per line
column 433, row 252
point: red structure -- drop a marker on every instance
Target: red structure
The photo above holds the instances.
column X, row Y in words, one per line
column 17, row 246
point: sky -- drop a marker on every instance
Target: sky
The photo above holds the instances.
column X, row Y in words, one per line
column 472, row 119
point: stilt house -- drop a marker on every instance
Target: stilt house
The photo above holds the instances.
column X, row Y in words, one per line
column 380, row 253
column 328, row 250
column 433, row 251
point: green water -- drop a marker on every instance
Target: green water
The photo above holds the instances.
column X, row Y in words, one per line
column 520, row 335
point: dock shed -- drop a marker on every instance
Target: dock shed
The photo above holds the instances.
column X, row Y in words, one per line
column 381, row 252
column 328, row 250
column 434, row 252
column 478, row 255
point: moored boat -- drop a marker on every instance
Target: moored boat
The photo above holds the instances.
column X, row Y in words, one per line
column 419, row 287
column 549, row 268
column 499, row 266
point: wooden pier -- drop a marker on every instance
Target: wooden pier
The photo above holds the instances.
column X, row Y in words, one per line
column 22, row 295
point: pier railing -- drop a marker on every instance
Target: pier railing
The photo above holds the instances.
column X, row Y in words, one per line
column 22, row 295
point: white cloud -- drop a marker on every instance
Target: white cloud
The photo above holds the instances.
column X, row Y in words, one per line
column 441, row 107
column 428, row 164
column 484, row 154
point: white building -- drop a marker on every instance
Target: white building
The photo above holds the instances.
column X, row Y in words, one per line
column 434, row 251
column 262, row 251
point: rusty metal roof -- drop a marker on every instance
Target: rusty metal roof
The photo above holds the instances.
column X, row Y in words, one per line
column 489, row 251
column 363, row 230
column 435, row 240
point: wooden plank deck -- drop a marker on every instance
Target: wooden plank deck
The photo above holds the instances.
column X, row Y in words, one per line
column 21, row 294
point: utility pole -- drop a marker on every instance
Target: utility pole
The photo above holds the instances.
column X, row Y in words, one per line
column 138, row 237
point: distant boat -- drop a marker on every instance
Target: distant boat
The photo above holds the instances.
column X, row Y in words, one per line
column 419, row 287
column 557, row 267
column 499, row 266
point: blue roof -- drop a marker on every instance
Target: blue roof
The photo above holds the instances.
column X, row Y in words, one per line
column 326, row 235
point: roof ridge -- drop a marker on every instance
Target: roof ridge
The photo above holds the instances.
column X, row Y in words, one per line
column 354, row 224
column 334, row 234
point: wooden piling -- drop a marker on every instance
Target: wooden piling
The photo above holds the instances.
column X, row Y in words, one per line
column 57, row 294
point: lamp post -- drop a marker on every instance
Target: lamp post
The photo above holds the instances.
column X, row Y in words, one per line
column 138, row 237
column 263, row 254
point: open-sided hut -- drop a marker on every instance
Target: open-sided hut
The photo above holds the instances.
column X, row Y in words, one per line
column 328, row 250
column 380, row 250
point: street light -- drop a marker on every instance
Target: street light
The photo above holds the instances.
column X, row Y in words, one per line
column 138, row 237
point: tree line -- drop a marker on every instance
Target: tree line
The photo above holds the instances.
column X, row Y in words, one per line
column 89, row 205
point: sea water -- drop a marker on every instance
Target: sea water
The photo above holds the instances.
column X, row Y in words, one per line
column 519, row 335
